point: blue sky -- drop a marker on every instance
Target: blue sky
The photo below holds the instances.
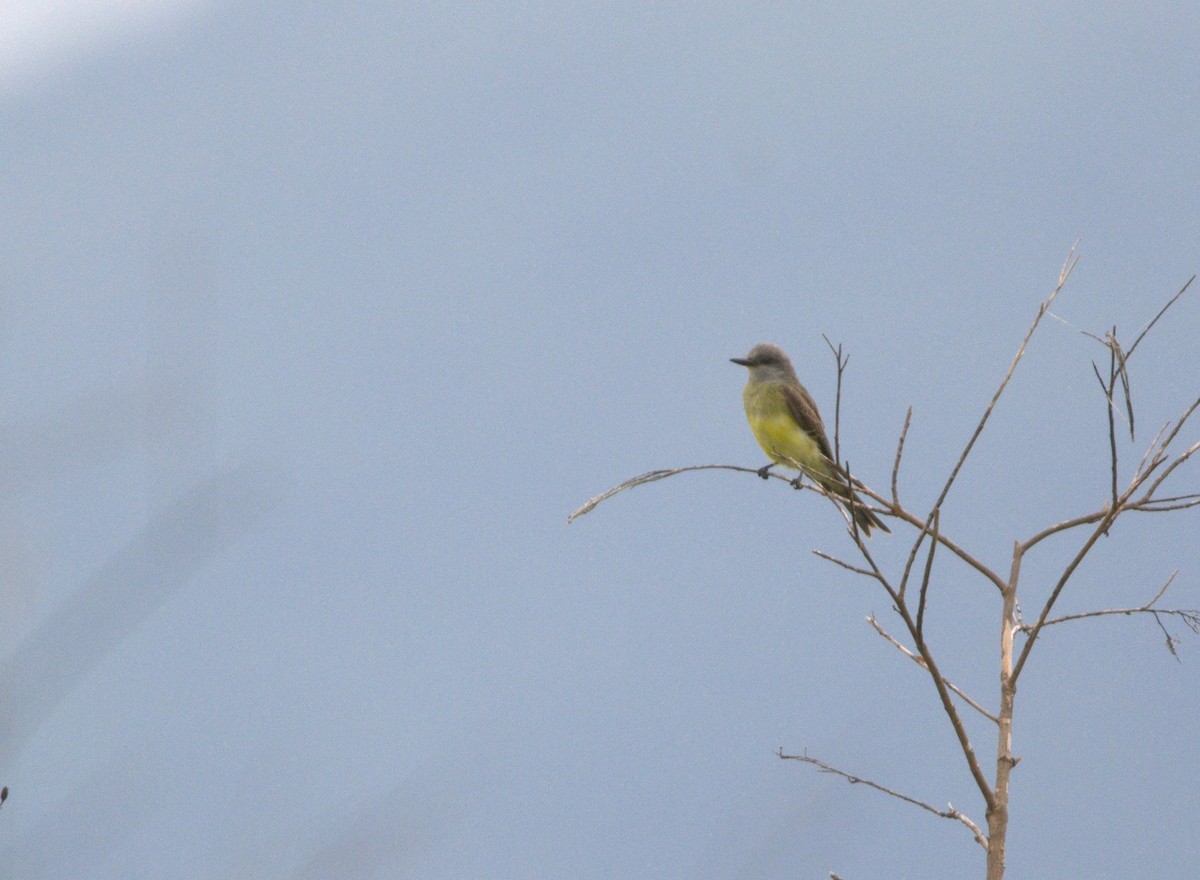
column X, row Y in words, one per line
column 317, row 322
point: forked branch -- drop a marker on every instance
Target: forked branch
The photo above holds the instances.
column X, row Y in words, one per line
column 1189, row 616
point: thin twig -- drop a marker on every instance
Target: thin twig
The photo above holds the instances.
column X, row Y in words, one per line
column 1153, row 445
column 1174, row 432
column 1101, row 529
column 949, row 813
column 1123, row 358
column 852, row 501
column 846, row 565
column 937, row 518
column 907, row 652
column 1161, row 312
column 916, row 658
column 1064, row 273
column 1180, row 459
column 1112, row 430
column 1163, row 589
column 939, row 684
column 1172, row 641
column 1107, row 388
column 1118, row 368
column 1161, row 505
column 900, row 513
column 926, row 528
column 875, row 571
column 1189, row 498
column 651, row 476
column 837, row 400
column 899, row 452
column 1119, row 502
column 1063, row 526
column 1190, row 616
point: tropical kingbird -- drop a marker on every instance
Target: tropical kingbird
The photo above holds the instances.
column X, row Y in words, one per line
column 786, row 424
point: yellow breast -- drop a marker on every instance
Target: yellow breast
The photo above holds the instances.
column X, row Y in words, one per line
column 777, row 432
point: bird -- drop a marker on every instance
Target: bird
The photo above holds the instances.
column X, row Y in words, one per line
column 787, row 425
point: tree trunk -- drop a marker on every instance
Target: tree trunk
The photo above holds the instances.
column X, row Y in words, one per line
column 997, row 814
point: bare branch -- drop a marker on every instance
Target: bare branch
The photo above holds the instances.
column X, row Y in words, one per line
column 1101, row 529
column 1064, row 273
column 937, row 518
column 1161, row 312
column 837, row 400
column 875, row 571
column 1163, row 505
column 1190, row 616
column 651, row 476
column 1180, row 459
column 926, row 528
column 1149, row 449
column 1163, row 589
column 1112, row 428
column 846, row 565
column 949, row 813
column 1119, row 369
column 1172, row 641
column 1118, row 504
column 1174, row 432
column 1123, row 373
column 1107, row 391
column 1125, row 390
column 916, row 658
column 1108, row 388
column 901, row 513
column 1064, row 526
column 899, row 452
column 939, row 683
column 1189, row 498
column 911, row 655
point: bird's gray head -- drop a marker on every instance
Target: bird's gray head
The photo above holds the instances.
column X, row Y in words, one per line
column 767, row 362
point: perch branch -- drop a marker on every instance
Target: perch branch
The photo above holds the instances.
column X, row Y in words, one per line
column 649, row 477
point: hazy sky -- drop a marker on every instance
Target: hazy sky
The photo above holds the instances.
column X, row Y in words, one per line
column 318, row 320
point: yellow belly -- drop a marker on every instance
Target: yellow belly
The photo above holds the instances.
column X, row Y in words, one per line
column 785, row 443
column 779, row 435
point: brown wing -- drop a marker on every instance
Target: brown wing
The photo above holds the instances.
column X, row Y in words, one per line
column 804, row 410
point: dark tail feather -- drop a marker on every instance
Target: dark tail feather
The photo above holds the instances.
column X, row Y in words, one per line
column 865, row 519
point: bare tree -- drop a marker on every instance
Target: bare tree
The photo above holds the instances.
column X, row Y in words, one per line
column 1144, row 491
